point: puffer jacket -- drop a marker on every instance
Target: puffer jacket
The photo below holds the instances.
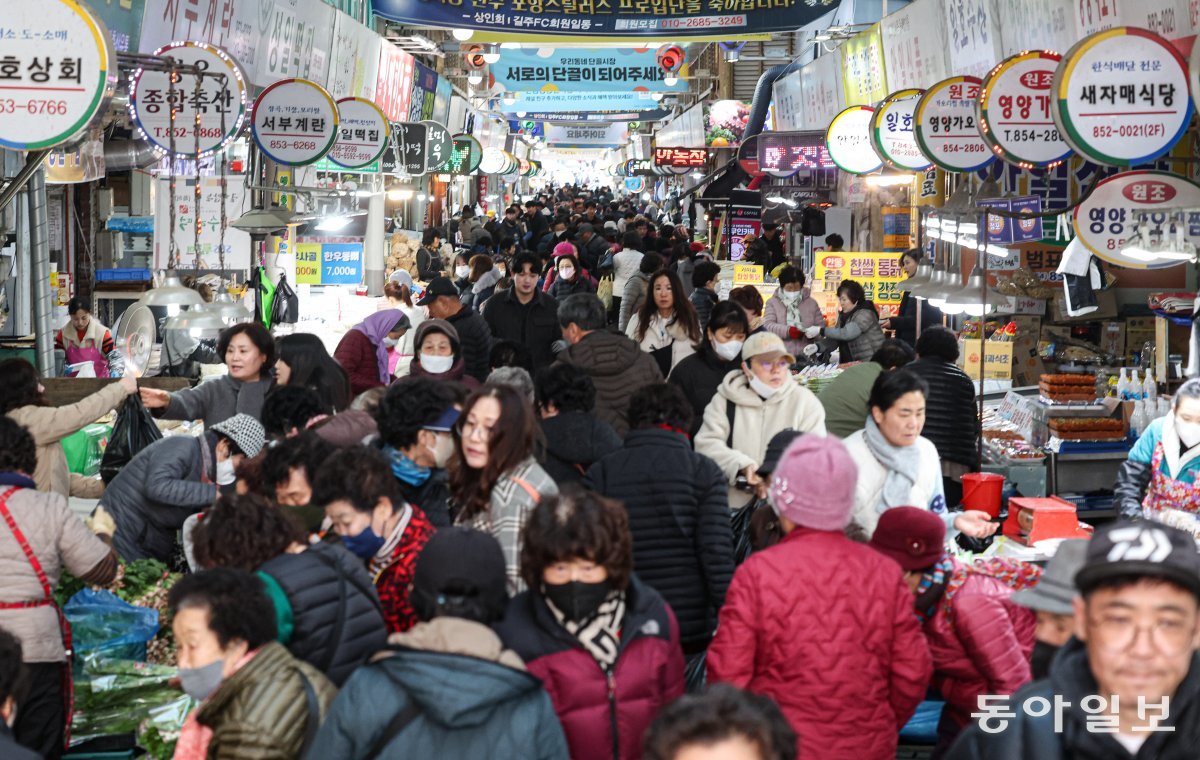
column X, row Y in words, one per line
column 679, row 518
column 860, row 334
column 926, row 492
column 980, row 645
column 356, row 353
column 575, row 441
column 49, row 425
column 825, row 627
column 162, row 486
column 261, row 711
column 698, row 376
column 1036, row 738
column 776, row 321
column 951, row 416
column 474, row 340
column 755, row 422
column 473, row 699
column 632, row 298
column 703, row 300
column 603, row 718
column 533, row 325
column 618, row 369
column 336, row 617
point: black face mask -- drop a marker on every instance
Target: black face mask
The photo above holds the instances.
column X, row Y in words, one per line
column 1043, row 655
column 576, row 600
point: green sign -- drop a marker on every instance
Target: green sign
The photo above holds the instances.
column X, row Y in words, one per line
column 325, row 165
column 466, row 156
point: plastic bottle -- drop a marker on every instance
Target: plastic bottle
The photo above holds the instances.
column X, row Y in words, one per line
column 1135, row 386
column 1164, row 407
column 1149, row 388
column 1123, row 385
column 1112, row 387
column 1138, row 422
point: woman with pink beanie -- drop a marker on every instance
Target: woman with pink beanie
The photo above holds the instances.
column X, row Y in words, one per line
column 821, row 624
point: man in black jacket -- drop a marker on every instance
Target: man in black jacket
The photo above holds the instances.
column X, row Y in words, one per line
column 952, row 416
column 1128, row 685
column 524, row 314
column 592, row 248
column 429, row 258
column 473, row 334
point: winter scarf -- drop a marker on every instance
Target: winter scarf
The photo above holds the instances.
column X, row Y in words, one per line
column 793, row 310
column 601, row 633
column 405, row 469
column 376, row 327
column 902, row 464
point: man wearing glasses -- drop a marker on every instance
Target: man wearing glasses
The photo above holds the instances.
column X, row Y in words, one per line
column 1128, row 684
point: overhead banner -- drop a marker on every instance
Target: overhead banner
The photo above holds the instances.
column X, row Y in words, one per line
column 972, row 37
column 355, row 62
column 237, row 26
column 297, row 43
column 914, row 45
column 863, row 72
column 560, row 102
column 586, row 136
column 582, row 70
column 602, row 18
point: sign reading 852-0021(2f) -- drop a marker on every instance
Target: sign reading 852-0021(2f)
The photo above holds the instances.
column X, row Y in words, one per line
column 57, row 72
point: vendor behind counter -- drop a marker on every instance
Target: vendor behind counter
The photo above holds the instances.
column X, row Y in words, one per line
column 1161, row 478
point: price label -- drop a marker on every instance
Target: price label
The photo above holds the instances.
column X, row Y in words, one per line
column 848, row 141
column 57, row 72
column 438, row 145
column 295, row 122
column 1122, row 97
column 1014, row 111
column 892, row 132
column 946, row 128
column 215, row 112
column 363, row 132
column 1106, row 220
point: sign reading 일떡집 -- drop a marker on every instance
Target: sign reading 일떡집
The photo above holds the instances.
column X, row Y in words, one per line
column 363, row 133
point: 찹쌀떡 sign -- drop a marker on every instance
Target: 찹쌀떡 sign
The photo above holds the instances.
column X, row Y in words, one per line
column 848, row 141
column 1122, row 97
column 1106, row 220
column 295, row 122
column 1014, row 111
column 363, row 133
column 946, row 129
column 214, row 113
column 879, row 272
column 57, row 71
column 892, row 132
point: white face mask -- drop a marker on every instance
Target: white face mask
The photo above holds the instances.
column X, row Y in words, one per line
column 566, row 273
column 728, row 350
column 225, row 474
column 436, row 365
column 761, row 388
column 390, row 342
column 1188, row 432
column 442, row 450
column 462, row 271
column 788, row 297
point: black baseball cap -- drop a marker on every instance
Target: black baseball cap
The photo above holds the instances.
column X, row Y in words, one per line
column 438, row 286
column 775, row 448
column 1143, row 549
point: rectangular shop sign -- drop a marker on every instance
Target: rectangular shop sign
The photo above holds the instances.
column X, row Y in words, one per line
column 879, row 272
column 354, row 66
column 747, row 274
column 997, row 358
column 587, row 135
column 237, row 243
column 583, row 70
column 441, row 101
column 914, row 45
column 393, row 88
column 824, row 95
column 680, row 158
column 685, row 130
column 238, row 26
column 1005, row 230
column 559, row 102
column 1175, row 20
column 660, row 19
column 124, row 21
column 308, row 263
column 973, row 37
column 863, row 73
column 1035, row 25
column 745, row 219
column 297, row 44
column 341, row 263
column 787, row 103
column 425, row 82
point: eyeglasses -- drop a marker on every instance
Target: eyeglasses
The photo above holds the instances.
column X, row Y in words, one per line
column 467, row 429
column 772, row 365
column 1117, row 634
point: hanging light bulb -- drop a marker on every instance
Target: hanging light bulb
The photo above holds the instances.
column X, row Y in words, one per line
column 510, row 99
column 462, row 35
column 171, row 293
column 656, row 96
column 670, row 80
column 491, row 54
column 475, row 78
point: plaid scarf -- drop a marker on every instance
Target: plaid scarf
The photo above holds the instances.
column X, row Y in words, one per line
column 600, row 634
column 941, row 583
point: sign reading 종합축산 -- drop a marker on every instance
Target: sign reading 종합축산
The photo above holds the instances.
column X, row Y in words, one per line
column 1121, row 97
column 946, row 128
column 1014, row 111
column 215, row 112
column 1105, row 221
column 294, row 122
column 57, row 72
column 363, row 133
column 892, row 132
column 848, row 141
column 583, row 70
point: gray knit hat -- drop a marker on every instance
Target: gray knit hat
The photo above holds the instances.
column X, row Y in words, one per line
column 246, row 433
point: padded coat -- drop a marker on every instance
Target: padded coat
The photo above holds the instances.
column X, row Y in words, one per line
column 825, row 627
column 951, row 414
column 618, row 368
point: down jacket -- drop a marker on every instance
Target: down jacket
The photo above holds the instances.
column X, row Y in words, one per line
column 604, row 718
column 337, row 622
column 951, row 416
column 698, row 376
column 825, row 627
column 981, row 645
column 618, row 368
column 162, row 486
column 775, row 319
column 356, row 353
column 755, row 422
column 574, row 442
column 679, row 517
column 859, row 334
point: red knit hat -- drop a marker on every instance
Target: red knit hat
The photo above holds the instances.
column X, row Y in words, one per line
column 912, row 536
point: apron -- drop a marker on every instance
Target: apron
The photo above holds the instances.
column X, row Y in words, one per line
column 84, row 350
column 47, row 600
column 1166, row 492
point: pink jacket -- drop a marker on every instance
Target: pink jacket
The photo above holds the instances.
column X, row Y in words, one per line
column 775, row 320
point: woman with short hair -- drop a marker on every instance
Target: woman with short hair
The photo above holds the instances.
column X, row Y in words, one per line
column 857, row 333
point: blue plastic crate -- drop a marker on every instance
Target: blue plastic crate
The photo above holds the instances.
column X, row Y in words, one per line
column 125, row 274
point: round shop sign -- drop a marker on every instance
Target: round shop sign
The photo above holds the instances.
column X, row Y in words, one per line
column 1106, row 220
column 635, row 184
column 946, row 129
column 495, row 161
column 1014, row 111
column 1121, row 97
column 438, row 145
column 363, row 131
column 58, row 70
column 848, row 140
column 466, row 156
column 215, row 113
column 892, row 132
column 294, row 122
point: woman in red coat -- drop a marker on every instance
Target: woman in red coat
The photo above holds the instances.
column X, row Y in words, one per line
column 605, row 646
column 980, row 640
column 363, row 351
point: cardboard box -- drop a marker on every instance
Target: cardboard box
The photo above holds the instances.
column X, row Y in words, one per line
column 1027, row 366
column 1107, row 300
column 997, row 357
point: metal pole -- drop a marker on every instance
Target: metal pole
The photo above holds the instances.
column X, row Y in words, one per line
column 33, row 162
column 39, row 244
column 983, row 227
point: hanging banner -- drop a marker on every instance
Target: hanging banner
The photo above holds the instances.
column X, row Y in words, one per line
column 298, row 43
column 1130, row 202
column 438, row 145
column 946, row 129
column 879, row 273
column 363, row 133
column 972, row 37
column 123, row 18
column 294, row 122
column 914, row 45
column 892, row 132
column 587, row 136
column 670, row 19
column 441, row 101
column 393, row 88
column 1175, row 20
column 354, row 64
column 237, row 243
column 236, row 26
column 219, row 102
column 465, row 157
column 1014, row 111
column 425, row 81
column 787, row 102
column 58, row 70
column 863, row 74
column 849, row 141
column 1035, row 25
column 1121, row 97
column 686, row 130
column 560, row 102
column 583, row 70
column 824, row 94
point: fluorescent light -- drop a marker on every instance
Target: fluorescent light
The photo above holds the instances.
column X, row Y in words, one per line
column 333, row 223
column 462, row 35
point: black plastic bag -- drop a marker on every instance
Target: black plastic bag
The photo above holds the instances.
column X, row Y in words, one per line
column 740, row 525
column 135, row 430
column 285, row 308
column 695, row 672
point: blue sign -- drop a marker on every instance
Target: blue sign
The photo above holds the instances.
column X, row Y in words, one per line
column 1004, row 230
column 583, row 70
column 561, row 102
column 575, row 116
column 341, row 263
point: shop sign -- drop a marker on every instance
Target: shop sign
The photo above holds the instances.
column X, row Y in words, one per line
column 1122, row 97
column 972, row 36
column 635, row 184
column 495, row 161
column 782, row 154
column 879, row 272
column 57, row 72
column 996, row 358
column 590, row 136
column 425, row 81
column 84, row 162
column 408, row 152
column 341, row 263
column 892, row 132
column 438, row 145
column 393, row 87
column 1014, row 111
column 914, row 45
column 237, row 243
column 363, row 133
column 583, row 70
column 1007, row 230
column 215, row 112
column 681, row 158
column 744, row 219
column 824, row 95
column 354, row 62
column 747, row 274
column 1035, row 25
column 295, row 122
column 308, row 263
column 848, row 141
column 1107, row 219
column 297, row 43
column 946, row 128
column 236, row 26
column 863, row 73
column 466, row 155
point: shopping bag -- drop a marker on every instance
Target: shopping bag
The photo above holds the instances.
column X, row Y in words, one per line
column 104, row 625
column 134, row 430
column 604, row 291
column 285, row 307
column 264, row 297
